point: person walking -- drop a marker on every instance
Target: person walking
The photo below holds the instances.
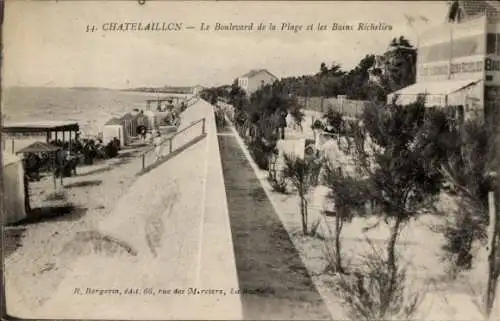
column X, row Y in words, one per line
column 157, row 145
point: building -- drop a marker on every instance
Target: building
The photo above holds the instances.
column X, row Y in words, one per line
column 255, row 79
column 398, row 61
column 196, row 90
column 458, row 62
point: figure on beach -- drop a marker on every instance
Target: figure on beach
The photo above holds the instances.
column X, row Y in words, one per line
column 141, row 125
column 157, row 145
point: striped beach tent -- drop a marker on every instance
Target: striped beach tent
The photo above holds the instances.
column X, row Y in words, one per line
column 129, row 123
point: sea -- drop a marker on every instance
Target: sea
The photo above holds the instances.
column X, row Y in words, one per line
column 90, row 107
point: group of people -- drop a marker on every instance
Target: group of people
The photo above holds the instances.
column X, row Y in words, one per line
column 70, row 154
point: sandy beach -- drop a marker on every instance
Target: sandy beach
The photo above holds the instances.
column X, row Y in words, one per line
column 43, row 255
column 38, row 246
column 113, row 238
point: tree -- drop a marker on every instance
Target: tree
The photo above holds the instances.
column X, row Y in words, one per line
column 354, row 83
column 393, row 165
column 464, row 158
column 300, row 172
column 323, row 69
column 349, row 195
column 394, row 70
column 334, row 119
column 237, row 96
column 401, row 61
column 297, row 114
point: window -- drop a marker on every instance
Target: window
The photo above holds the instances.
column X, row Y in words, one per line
column 491, row 40
column 493, row 44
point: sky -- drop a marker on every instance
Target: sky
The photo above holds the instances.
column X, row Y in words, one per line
column 46, row 42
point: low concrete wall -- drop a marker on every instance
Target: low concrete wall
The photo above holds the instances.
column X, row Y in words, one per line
column 165, row 251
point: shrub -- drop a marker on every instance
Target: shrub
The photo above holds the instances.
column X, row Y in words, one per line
column 334, row 119
column 275, row 177
column 376, row 292
column 260, row 153
column 463, row 158
column 220, row 120
column 299, row 172
column 318, row 124
column 297, row 114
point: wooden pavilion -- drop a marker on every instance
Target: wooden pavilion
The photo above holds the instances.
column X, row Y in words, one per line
column 52, row 129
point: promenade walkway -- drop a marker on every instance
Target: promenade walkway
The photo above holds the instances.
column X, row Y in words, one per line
column 166, row 250
column 269, row 266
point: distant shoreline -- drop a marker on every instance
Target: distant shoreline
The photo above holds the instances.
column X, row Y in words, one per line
column 150, row 90
column 90, row 108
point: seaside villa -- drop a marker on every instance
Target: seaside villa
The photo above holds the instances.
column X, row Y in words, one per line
column 458, row 62
column 255, row 79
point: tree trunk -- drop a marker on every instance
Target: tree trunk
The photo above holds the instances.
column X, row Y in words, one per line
column 492, row 256
column 338, row 230
column 391, row 249
column 303, row 213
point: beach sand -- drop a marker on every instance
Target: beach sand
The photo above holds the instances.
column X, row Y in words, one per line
column 74, row 250
column 36, row 258
column 34, row 270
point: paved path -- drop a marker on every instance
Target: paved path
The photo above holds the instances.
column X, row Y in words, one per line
column 266, row 260
column 169, row 232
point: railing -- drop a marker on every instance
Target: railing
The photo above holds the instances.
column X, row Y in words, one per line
column 191, row 101
column 170, row 142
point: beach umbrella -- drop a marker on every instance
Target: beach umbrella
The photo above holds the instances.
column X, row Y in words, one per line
column 42, row 147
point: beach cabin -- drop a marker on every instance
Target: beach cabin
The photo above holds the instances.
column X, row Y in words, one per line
column 129, row 123
column 14, row 196
column 150, row 119
column 111, row 129
column 143, row 120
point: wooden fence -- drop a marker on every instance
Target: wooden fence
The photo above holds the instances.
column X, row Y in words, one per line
column 347, row 107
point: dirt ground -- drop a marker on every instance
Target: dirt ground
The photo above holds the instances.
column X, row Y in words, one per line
column 36, row 259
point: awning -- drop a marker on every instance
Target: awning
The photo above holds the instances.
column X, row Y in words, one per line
column 439, row 93
column 40, row 126
column 39, row 147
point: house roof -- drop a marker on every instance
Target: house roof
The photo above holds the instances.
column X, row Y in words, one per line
column 254, row 72
column 38, row 147
column 479, row 7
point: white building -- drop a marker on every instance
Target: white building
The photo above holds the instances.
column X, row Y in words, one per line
column 458, row 62
column 196, row 90
column 255, row 79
